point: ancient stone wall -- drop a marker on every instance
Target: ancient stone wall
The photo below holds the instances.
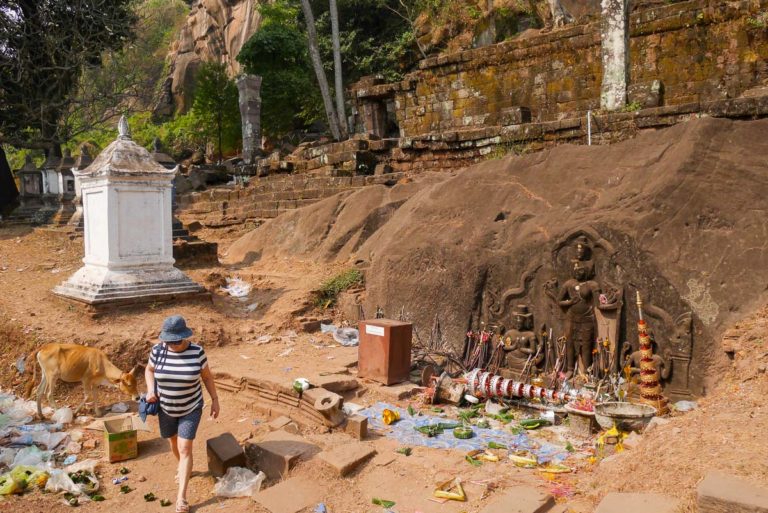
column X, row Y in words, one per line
column 701, row 50
column 267, row 197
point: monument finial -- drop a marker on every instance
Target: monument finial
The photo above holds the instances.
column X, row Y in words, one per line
column 123, row 130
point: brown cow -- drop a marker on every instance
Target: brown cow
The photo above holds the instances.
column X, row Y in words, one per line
column 74, row 363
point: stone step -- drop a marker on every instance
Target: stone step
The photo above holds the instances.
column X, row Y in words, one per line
column 638, row 503
column 723, row 493
column 522, row 499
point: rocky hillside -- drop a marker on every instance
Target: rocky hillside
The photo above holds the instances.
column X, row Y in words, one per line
column 470, row 245
column 215, row 30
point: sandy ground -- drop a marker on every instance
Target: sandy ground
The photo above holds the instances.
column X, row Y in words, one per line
column 723, row 433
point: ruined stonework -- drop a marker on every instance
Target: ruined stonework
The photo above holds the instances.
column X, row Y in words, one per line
column 698, row 51
column 614, row 40
column 249, row 89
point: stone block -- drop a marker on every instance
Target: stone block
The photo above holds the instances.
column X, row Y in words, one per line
column 291, row 496
column 357, row 426
column 400, row 390
column 637, row 503
column 224, row 452
column 348, row 457
column 278, row 423
column 521, row 499
column 336, row 383
column 723, row 493
column 278, row 452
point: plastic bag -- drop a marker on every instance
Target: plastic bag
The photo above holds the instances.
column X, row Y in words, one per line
column 49, row 440
column 237, row 287
column 7, row 455
column 31, row 456
column 88, row 465
column 59, row 481
column 238, row 482
column 30, row 475
column 9, row 486
column 347, row 336
column 63, row 416
column 120, row 408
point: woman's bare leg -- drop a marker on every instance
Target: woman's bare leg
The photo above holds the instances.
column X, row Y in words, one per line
column 174, row 446
column 185, row 467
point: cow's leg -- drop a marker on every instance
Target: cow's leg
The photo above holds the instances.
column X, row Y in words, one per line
column 86, row 393
column 52, row 379
column 40, row 391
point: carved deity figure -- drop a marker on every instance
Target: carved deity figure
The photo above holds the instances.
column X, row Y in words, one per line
column 579, row 296
column 521, row 345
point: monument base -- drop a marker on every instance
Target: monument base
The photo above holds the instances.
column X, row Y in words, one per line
column 100, row 286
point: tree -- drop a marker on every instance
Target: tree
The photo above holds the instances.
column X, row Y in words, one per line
column 44, row 47
column 216, row 103
column 337, row 72
column 317, row 64
column 278, row 53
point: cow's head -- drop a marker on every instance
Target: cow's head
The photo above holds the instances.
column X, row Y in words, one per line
column 127, row 383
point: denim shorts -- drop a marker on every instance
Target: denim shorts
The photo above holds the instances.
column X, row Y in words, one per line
column 185, row 427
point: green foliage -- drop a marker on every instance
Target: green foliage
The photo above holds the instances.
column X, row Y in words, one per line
column 632, row 107
column 330, row 290
column 278, row 53
column 759, row 21
column 216, row 106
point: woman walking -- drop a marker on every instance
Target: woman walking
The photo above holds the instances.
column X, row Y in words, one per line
column 176, row 368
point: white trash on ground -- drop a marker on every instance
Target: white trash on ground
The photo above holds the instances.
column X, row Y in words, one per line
column 238, row 482
column 237, row 287
column 327, row 328
column 348, row 337
column 120, row 408
column 63, row 416
column 31, row 456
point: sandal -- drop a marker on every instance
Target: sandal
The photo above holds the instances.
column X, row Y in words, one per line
column 182, row 506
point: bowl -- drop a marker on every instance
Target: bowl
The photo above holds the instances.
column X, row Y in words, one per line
column 626, row 416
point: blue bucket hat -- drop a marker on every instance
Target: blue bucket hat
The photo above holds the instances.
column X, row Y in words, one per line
column 175, row 329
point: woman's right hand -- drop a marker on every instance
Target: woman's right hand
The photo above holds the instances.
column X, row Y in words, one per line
column 151, row 398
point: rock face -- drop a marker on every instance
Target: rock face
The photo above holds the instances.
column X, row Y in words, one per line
column 675, row 214
column 215, row 30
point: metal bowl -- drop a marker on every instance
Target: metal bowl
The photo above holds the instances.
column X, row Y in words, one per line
column 626, row 416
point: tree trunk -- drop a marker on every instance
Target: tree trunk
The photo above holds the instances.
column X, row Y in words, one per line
column 8, row 190
column 337, row 72
column 317, row 63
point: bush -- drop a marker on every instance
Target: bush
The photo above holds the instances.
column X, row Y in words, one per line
column 330, row 289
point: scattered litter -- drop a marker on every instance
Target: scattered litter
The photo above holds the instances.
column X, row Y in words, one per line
column 383, row 503
column 347, row 337
column 351, row 408
column 237, row 287
column 63, row 416
column 119, row 408
column 264, row 339
column 69, row 460
column 126, row 489
column 301, row 384
column 451, row 490
column 390, row 416
column 118, row 480
column 328, row 328
column 149, row 497
column 21, row 364
column 471, row 399
column 250, row 308
column 686, row 405
column 165, row 503
column 246, row 357
column 406, row 451
column 239, row 482
column 124, row 470
column 320, row 508
column 88, row 465
column 286, row 352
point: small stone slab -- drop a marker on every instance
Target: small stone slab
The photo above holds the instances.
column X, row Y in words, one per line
column 337, row 383
column 399, row 391
column 521, row 499
column 278, row 452
column 724, row 493
column 279, row 423
column 291, row 496
column 637, row 503
column 348, row 457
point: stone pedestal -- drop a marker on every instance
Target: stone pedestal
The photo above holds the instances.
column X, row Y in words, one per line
column 249, row 88
column 126, row 199
column 614, row 37
column 375, row 117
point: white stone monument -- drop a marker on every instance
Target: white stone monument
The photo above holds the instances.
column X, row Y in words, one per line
column 126, row 199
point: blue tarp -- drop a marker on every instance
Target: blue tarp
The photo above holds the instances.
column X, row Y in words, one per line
column 403, row 431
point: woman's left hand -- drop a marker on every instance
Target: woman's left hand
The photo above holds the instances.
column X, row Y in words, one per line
column 215, row 408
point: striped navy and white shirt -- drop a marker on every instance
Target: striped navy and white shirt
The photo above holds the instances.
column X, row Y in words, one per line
column 177, row 376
